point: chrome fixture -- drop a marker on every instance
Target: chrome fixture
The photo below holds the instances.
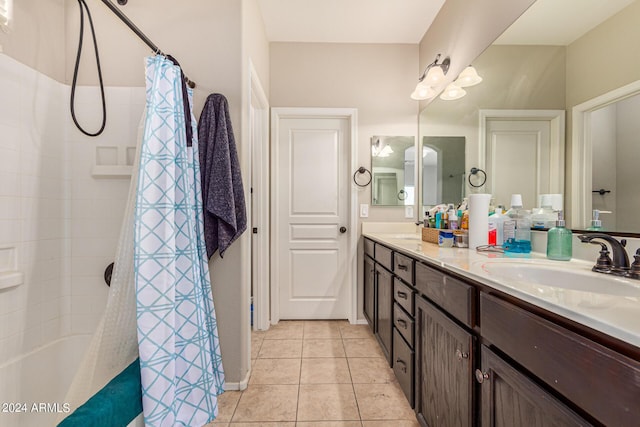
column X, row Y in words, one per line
column 620, row 264
column 432, row 76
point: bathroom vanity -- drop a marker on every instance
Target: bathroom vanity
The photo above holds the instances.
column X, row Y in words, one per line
column 477, row 339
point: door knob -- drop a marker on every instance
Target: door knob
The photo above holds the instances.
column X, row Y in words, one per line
column 343, row 230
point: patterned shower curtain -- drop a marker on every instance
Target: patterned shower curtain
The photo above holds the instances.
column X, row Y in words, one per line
column 180, row 362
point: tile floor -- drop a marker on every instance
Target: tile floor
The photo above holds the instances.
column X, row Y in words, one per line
column 316, row 374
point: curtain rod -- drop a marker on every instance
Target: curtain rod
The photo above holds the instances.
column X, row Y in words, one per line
column 140, row 34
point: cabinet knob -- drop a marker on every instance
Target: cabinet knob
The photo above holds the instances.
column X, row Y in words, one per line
column 481, row 376
column 460, row 355
column 402, row 295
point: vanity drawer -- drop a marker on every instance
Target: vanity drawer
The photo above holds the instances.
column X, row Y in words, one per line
column 602, row 382
column 384, row 256
column 403, row 365
column 403, row 295
column 452, row 295
column 403, row 267
column 403, row 323
column 368, row 247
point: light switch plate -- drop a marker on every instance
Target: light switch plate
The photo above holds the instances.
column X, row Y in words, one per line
column 408, row 211
column 364, row 210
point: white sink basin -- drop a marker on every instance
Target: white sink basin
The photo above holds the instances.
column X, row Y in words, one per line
column 557, row 276
column 406, row 236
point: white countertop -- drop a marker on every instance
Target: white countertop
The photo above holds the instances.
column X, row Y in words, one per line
column 604, row 311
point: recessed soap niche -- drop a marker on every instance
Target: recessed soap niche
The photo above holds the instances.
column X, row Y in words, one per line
column 113, row 161
column 9, row 274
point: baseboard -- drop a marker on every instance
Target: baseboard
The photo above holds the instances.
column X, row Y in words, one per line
column 238, row 386
column 362, row 322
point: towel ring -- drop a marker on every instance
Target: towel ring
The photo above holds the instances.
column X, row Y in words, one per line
column 474, row 171
column 402, row 195
column 361, row 170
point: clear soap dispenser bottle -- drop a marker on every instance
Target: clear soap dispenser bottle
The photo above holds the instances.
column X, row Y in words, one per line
column 559, row 241
column 596, row 222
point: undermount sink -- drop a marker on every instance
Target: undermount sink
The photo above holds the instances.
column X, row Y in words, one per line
column 575, row 279
column 406, row 236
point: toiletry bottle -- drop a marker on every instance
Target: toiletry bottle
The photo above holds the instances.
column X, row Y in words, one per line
column 496, row 227
column 559, row 241
column 545, row 217
column 596, row 222
column 453, row 220
column 438, row 219
column 517, row 228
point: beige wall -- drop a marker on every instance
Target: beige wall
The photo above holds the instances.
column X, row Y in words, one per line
column 36, row 36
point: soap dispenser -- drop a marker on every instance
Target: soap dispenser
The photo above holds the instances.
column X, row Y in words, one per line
column 596, row 222
column 559, row 241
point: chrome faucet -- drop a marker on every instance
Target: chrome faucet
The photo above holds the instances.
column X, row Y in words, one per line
column 620, row 264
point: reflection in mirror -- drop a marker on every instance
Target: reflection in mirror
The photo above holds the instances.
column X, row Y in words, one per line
column 443, row 173
column 393, row 170
column 555, row 69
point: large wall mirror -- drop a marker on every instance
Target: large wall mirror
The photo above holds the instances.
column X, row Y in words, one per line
column 393, row 170
column 551, row 60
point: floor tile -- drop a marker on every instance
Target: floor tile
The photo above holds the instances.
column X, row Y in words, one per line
column 321, row 329
column 329, row 424
column 227, row 403
column 256, row 344
column 278, row 424
column 370, row 370
column 362, row 347
column 322, row 348
column 275, row 371
column 280, row 349
column 285, row 330
column 330, row 370
column 387, row 423
column 327, row 402
column 382, row 402
column 355, row 331
column 267, row 403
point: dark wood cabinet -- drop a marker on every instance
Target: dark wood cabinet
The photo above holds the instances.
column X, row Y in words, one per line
column 369, row 292
column 510, row 399
column 444, row 354
column 384, row 310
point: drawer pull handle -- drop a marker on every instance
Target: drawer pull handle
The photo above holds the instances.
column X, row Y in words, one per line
column 402, row 323
column 402, row 295
column 402, row 267
column 481, row 376
column 460, row 355
column 403, row 366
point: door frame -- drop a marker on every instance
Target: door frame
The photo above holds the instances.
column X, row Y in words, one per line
column 351, row 114
column 556, row 119
column 581, row 151
column 260, row 247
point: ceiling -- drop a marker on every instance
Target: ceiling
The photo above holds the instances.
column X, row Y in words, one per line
column 550, row 22
column 348, row 21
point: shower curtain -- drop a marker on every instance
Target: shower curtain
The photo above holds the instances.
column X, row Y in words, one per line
column 180, row 362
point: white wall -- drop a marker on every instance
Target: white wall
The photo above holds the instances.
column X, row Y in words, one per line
column 627, row 161
column 604, row 152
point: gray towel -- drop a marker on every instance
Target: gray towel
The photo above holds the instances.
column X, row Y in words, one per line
column 225, row 216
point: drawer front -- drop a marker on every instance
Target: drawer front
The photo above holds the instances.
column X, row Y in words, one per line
column 403, row 365
column 602, row 382
column 452, row 295
column 384, row 256
column 403, row 295
column 403, row 267
column 403, row 323
column 368, row 247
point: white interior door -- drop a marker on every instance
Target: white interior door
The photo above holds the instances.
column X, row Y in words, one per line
column 523, row 153
column 311, row 197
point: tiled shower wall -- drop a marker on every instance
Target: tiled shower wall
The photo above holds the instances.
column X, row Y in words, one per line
column 60, row 220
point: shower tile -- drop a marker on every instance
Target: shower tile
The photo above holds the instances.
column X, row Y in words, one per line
column 273, row 403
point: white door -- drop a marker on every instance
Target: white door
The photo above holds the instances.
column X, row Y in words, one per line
column 523, row 155
column 311, row 234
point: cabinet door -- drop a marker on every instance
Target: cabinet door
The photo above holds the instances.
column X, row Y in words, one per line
column 444, row 369
column 510, row 399
column 369, row 292
column 384, row 310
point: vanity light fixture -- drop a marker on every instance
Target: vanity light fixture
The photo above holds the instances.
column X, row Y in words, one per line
column 452, row 92
column 468, row 77
column 377, row 151
column 432, row 76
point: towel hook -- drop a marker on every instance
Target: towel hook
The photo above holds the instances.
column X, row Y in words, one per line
column 362, row 170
